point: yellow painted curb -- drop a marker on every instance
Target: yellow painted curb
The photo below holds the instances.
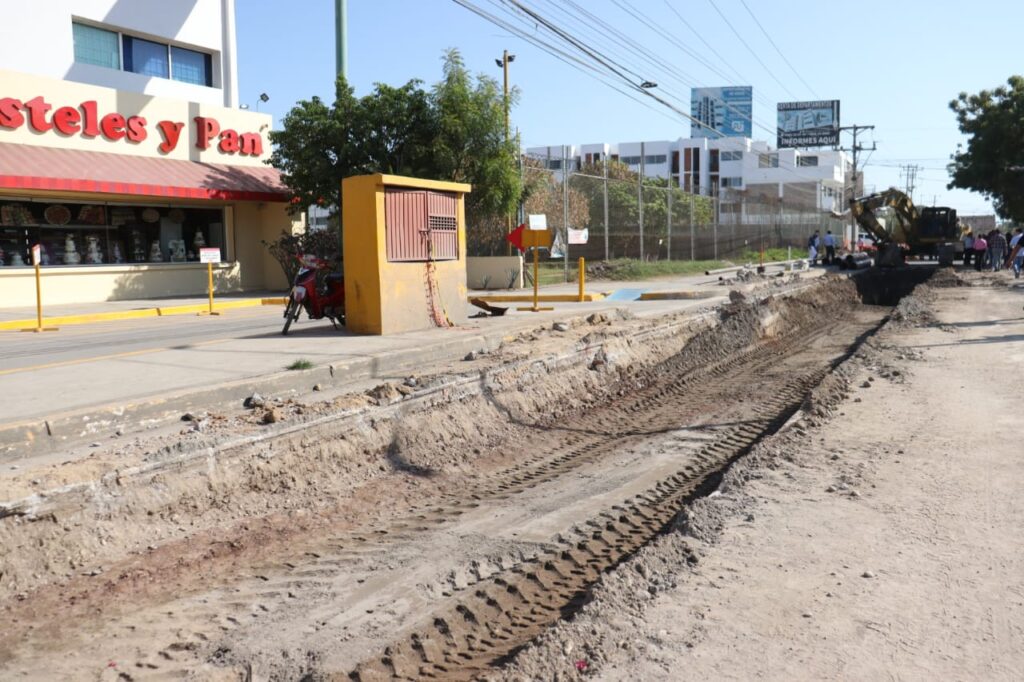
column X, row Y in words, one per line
column 136, row 314
column 545, row 298
column 677, row 295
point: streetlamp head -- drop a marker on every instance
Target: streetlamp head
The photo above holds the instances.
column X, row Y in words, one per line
column 647, row 85
column 264, row 97
column 511, row 58
column 499, row 63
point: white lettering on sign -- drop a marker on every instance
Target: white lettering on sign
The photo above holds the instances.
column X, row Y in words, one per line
column 209, row 255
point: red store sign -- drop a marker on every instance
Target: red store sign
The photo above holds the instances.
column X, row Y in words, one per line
column 85, row 120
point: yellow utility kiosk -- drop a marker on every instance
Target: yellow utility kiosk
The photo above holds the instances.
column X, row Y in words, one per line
column 405, row 253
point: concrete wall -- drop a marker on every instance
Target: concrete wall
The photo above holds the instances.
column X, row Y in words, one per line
column 494, row 272
column 37, row 39
column 254, row 223
column 383, row 297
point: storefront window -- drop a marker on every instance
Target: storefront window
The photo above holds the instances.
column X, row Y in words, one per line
column 104, row 234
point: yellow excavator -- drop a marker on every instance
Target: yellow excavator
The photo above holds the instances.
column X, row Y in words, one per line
column 930, row 231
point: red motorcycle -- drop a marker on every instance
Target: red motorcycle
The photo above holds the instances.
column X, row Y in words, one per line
column 320, row 292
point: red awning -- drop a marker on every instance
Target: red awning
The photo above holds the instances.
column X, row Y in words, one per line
column 27, row 167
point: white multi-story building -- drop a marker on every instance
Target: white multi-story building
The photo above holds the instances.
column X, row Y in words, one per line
column 740, row 171
column 166, row 48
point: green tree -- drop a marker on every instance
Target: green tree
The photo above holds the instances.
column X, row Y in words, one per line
column 993, row 162
column 470, row 147
column 454, row 132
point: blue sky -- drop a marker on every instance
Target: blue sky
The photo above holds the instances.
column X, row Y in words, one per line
column 894, row 64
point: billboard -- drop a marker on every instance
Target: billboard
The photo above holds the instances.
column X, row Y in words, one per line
column 808, row 124
column 724, row 112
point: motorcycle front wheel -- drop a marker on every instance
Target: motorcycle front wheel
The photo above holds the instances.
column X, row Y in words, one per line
column 291, row 314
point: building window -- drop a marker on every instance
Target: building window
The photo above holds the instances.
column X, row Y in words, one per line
column 732, row 182
column 630, row 160
column 767, row 160
column 96, row 46
column 732, row 156
column 555, row 164
column 655, row 159
column 189, row 66
column 145, row 57
column 807, row 161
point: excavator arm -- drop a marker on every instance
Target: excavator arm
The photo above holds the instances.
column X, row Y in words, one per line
column 864, row 213
column 888, row 238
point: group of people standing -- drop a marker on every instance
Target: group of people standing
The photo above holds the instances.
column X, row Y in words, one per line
column 815, row 245
column 994, row 250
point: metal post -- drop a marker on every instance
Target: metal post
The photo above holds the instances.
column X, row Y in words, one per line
column 582, row 277
column 504, row 67
column 605, row 157
column 640, row 200
column 565, row 211
column 668, row 220
column 692, row 230
column 340, row 43
column 714, row 217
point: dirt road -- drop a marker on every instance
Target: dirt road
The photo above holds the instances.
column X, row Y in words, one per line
column 881, row 543
column 511, row 502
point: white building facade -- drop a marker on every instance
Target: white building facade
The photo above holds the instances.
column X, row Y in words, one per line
column 124, row 153
column 183, row 49
column 738, row 171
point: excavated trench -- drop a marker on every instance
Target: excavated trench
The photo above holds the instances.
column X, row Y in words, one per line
column 437, row 532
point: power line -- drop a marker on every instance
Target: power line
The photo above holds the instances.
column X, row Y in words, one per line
column 751, row 50
column 768, row 36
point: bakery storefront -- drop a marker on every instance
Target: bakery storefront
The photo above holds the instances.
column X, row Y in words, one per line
column 121, row 190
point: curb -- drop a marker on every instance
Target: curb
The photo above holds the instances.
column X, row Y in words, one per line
column 87, row 318
column 544, row 298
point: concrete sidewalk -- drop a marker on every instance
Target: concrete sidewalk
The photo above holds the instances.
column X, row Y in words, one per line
column 106, row 311
column 83, row 382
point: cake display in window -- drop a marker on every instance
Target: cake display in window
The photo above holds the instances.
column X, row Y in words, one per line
column 155, row 254
column 93, row 255
column 15, row 214
column 92, row 215
column 176, row 247
column 138, row 247
column 57, row 214
column 71, row 256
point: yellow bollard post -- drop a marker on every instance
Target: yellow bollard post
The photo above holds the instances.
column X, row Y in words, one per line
column 536, row 239
column 39, row 296
column 582, row 268
column 209, row 256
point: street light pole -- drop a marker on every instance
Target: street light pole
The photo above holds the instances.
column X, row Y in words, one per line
column 506, row 58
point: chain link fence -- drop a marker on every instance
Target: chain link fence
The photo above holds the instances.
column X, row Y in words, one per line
column 653, row 222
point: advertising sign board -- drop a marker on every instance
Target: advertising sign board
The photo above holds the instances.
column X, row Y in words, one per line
column 808, row 124
column 210, row 255
column 724, row 112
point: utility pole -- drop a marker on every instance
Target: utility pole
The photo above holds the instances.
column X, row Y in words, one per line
column 340, row 42
column 505, row 60
column 856, row 149
column 910, row 173
column 640, row 200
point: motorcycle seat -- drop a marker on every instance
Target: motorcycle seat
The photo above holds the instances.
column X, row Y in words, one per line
column 334, row 277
